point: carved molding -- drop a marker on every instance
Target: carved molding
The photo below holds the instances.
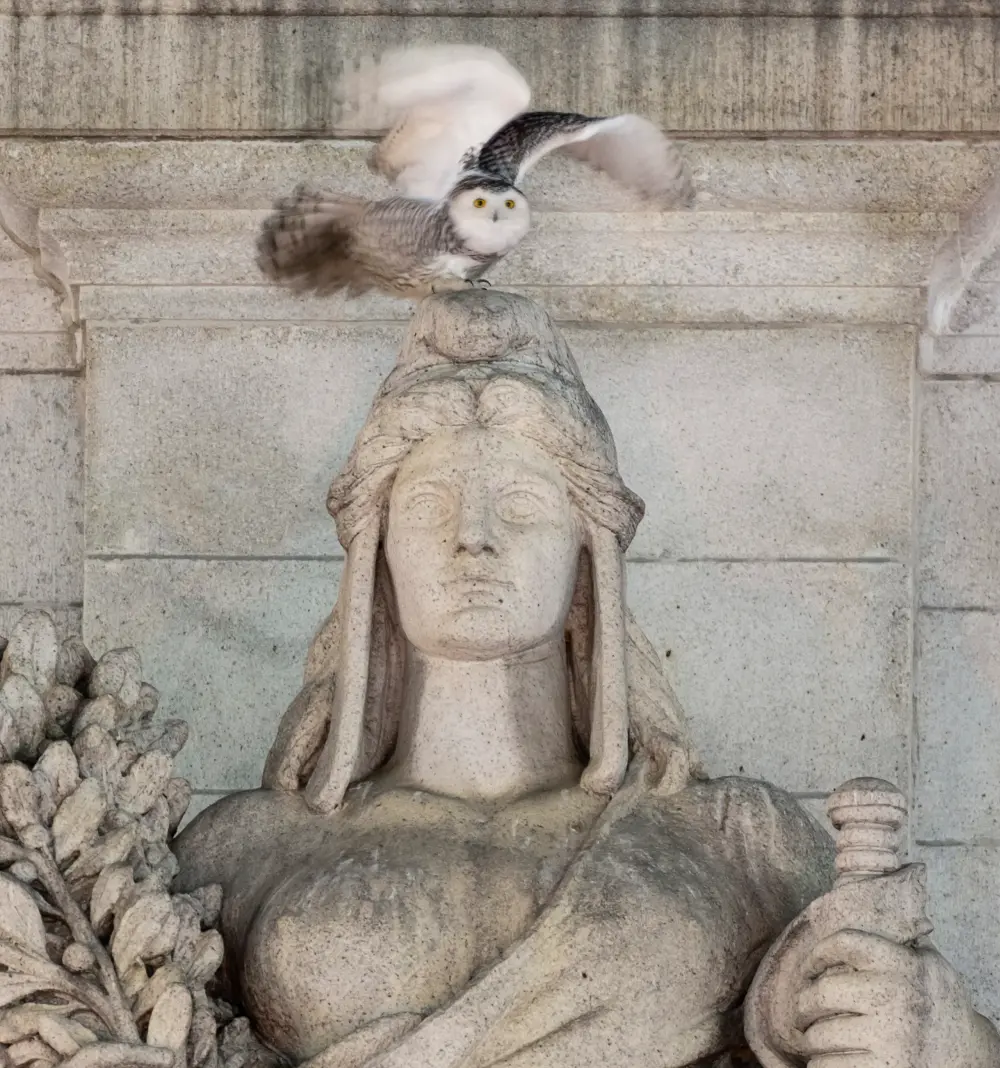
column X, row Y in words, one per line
column 515, row 8
column 954, row 302
column 20, row 222
column 524, row 9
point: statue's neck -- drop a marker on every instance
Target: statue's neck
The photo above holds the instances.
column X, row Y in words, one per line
column 486, row 730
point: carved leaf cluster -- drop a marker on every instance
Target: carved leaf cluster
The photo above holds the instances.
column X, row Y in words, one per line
column 100, row 964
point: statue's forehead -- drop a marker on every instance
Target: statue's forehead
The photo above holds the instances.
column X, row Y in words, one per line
column 475, row 452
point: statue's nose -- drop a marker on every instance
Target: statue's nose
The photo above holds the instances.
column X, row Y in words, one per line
column 474, row 529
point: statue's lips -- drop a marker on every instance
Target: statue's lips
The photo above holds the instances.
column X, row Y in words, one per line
column 480, row 588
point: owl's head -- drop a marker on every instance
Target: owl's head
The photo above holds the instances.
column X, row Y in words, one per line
column 490, row 215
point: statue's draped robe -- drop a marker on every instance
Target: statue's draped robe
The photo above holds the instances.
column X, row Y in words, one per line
column 646, row 947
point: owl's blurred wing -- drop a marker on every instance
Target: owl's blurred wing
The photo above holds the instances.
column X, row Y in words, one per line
column 306, row 242
column 438, row 103
column 628, row 148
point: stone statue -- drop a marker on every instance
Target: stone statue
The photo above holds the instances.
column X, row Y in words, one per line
column 482, row 837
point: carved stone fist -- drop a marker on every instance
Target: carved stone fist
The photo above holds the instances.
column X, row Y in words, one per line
column 871, row 1003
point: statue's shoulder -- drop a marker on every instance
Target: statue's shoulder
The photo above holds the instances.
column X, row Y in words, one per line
column 220, row 839
column 759, row 827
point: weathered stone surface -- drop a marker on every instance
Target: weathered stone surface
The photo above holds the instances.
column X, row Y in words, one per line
column 182, row 73
column 245, row 483
column 963, row 888
column 960, row 355
column 725, row 249
column 563, row 248
column 790, row 175
column 978, row 312
column 958, row 511
column 816, row 807
column 958, row 716
column 29, row 306
column 246, row 303
column 235, row 451
column 621, row 304
column 717, row 431
column 41, row 521
column 989, row 270
column 67, row 618
column 223, row 641
column 796, row 673
column 199, row 802
column 37, row 352
column 518, row 8
column 14, row 263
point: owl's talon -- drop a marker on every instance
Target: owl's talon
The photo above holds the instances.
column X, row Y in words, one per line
column 451, row 285
column 484, row 283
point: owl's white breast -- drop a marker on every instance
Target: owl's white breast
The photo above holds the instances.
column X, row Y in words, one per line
column 455, row 264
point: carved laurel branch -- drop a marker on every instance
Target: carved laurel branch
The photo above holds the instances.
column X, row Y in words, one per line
column 100, row 965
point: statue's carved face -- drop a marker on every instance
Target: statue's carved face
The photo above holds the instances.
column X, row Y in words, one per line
column 482, row 545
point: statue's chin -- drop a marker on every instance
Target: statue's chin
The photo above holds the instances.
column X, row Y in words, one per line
column 484, row 631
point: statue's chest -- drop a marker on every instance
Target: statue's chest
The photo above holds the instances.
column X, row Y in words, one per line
column 389, row 924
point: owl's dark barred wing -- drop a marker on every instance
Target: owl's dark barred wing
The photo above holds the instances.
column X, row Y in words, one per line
column 628, row 148
column 306, row 242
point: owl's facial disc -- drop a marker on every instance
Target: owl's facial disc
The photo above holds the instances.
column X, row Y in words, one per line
column 490, row 221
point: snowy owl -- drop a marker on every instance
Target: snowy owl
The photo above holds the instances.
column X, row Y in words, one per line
column 460, row 140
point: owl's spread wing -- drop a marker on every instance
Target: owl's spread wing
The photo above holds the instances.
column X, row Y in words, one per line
column 628, row 148
column 438, row 102
column 306, row 242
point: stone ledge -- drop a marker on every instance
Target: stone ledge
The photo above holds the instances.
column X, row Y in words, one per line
column 37, row 351
column 563, row 248
column 257, row 75
column 514, row 8
column 653, row 305
column 789, row 175
column 960, row 355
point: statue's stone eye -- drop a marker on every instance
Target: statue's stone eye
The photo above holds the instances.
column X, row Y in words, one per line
column 479, row 202
column 512, row 204
column 520, row 506
column 428, row 508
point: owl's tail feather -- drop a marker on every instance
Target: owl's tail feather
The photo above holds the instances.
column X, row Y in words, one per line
column 306, row 242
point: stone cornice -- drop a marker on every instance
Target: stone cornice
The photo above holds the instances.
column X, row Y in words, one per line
column 258, row 74
column 514, row 8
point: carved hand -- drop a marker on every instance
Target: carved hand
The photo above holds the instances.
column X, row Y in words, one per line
column 889, row 1006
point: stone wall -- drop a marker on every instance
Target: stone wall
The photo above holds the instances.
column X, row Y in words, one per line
column 814, row 430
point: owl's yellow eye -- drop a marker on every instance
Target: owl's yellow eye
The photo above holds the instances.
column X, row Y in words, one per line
column 479, row 202
column 510, row 204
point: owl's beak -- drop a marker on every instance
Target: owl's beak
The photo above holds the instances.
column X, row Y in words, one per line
column 496, row 216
